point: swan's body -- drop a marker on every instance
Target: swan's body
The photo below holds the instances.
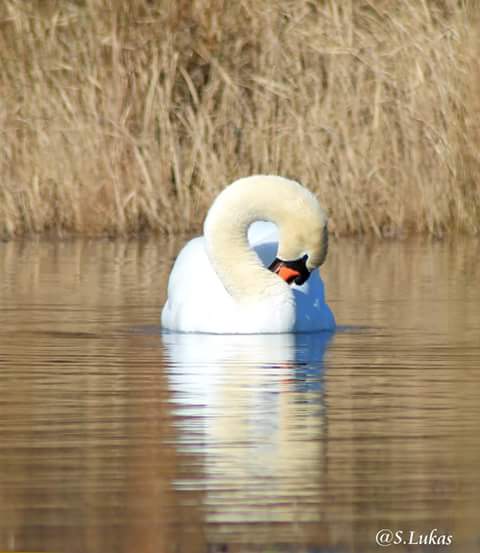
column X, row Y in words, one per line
column 220, row 282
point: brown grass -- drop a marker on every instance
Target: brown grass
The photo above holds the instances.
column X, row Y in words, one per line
column 120, row 117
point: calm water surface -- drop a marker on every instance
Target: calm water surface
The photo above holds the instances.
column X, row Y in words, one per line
column 116, row 438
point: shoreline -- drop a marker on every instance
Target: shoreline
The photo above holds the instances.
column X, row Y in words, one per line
column 126, row 120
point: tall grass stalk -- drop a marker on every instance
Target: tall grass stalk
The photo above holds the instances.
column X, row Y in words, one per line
column 120, row 117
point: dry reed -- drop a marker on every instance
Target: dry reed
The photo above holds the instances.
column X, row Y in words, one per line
column 122, row 117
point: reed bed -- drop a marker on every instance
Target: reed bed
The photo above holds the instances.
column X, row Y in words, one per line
column 118, row 118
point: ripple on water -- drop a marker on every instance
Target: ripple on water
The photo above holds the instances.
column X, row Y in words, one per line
column 116, row 437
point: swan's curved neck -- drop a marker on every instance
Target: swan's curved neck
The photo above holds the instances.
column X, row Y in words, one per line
column 247, row 200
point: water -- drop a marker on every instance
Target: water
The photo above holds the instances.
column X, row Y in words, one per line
column 115, row 438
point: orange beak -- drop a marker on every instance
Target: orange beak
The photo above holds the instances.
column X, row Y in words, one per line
column 288, row 274
column 291, row 271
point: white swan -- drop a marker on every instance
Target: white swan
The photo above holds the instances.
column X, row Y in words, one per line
column 230, row 282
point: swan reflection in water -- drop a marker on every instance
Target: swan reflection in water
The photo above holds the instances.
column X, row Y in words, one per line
column 249, row 411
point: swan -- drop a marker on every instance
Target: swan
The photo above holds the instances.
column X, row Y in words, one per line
column 254, row 269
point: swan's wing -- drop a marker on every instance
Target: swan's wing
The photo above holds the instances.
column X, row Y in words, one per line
column 191, row 265
column 194, row 290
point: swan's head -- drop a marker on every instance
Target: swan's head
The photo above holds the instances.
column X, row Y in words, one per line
column 303, row 243
column 301, row 222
